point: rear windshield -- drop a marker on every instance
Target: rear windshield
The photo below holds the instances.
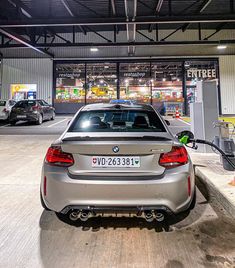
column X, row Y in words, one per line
column 2, row 103
column 24, row 104
column 117, row 121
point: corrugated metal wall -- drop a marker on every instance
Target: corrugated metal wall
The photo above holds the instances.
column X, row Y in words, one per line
column 227, row 83
column 28, row 71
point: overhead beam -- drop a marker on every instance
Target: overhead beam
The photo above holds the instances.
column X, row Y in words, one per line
column 130, row 11
column 71, row 13
column 202, row 7
column 86, row 7
column 117, row 21
column 100, row 35
column 25, row 42
column 218, row 29
column 125, row 44
column 25, row 10
column 144, row 35
column 159, row 6
column 157, row 11
column 170, row 34
column 114, row 11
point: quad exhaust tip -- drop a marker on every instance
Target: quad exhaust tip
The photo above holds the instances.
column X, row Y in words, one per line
column 154, row 215
column 84, row 215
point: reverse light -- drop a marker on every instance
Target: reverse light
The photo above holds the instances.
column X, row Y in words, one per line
column 56, row 157
column 178, row 156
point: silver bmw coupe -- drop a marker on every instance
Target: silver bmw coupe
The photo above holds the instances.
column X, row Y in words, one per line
column 117, row 158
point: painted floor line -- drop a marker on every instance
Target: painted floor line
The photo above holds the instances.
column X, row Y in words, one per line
column 4, row 125
column 58, row 122
column 184, row 121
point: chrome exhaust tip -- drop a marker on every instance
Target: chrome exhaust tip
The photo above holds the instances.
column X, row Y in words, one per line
column 85, row 215
column 74, row 215
column 149, row 216
column 159, row 216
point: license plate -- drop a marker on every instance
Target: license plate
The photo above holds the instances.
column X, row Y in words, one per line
column 21, row 116
column 113, row 161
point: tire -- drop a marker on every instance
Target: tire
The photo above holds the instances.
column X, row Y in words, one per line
column 40, row 119
column 42, row 202
column 193, row 203
column 12, row 123
column 53, row 116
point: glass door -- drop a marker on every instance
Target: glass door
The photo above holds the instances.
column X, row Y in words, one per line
column 101, row 82
column 135, row 82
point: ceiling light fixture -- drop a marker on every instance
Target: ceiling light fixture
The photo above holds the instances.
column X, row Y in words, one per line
column 94, row 49
column 221, row 47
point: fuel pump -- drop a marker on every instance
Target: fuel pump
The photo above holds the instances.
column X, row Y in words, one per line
column 187, row 137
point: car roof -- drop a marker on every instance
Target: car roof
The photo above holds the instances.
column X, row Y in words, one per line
column 111, row 106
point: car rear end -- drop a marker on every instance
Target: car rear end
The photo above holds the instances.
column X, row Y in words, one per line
column 25, row 110
column 4, row 112
column 112, row 166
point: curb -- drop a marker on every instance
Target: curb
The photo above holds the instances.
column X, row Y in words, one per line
column 209, row 190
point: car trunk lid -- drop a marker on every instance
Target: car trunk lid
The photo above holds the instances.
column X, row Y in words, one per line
column 147, row 149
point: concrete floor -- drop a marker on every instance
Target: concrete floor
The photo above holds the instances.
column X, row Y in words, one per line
column 54, row 127
column 31, row 237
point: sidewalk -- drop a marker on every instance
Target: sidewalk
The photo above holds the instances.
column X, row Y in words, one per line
column 214, row 180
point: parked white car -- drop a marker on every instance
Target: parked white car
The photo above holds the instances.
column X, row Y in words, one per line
column 5, row 108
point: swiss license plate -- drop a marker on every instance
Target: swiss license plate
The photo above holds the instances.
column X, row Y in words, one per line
column 21, row 116
column 113, row 161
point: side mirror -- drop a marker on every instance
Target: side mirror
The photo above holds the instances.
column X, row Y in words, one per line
column 185, row 136
column 168, row 122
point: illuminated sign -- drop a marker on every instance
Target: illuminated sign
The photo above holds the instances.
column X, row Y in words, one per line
column 70, row 75
column 136, row 74
column 201, row 73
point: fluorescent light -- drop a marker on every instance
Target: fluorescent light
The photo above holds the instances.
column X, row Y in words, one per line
column 221, row 47
column 93, row 49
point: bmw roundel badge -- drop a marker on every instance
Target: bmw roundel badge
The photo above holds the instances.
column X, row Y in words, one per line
column 115, row 149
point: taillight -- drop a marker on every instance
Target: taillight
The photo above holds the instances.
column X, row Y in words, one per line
column 178, row 156
column 5, row 110
column 35, row 108
column 55, row 156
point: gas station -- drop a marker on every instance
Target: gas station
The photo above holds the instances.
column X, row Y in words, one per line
column 153, row 82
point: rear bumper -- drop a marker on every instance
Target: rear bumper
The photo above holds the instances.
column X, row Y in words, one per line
column 31, row 117
column 4, row 116
column 169, row 191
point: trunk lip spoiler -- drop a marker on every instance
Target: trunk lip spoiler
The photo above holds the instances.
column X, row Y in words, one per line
column 131, row 138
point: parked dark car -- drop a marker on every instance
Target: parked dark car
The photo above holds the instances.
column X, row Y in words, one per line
column 32, row 111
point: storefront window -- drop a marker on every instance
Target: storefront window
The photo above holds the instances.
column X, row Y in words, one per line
column 196, row 71
column 167, row 88
column 101, row 82
column 135, row 82
column 70, row 83
column 164, row 84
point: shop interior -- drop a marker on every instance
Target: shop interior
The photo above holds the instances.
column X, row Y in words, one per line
column 166, row 84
